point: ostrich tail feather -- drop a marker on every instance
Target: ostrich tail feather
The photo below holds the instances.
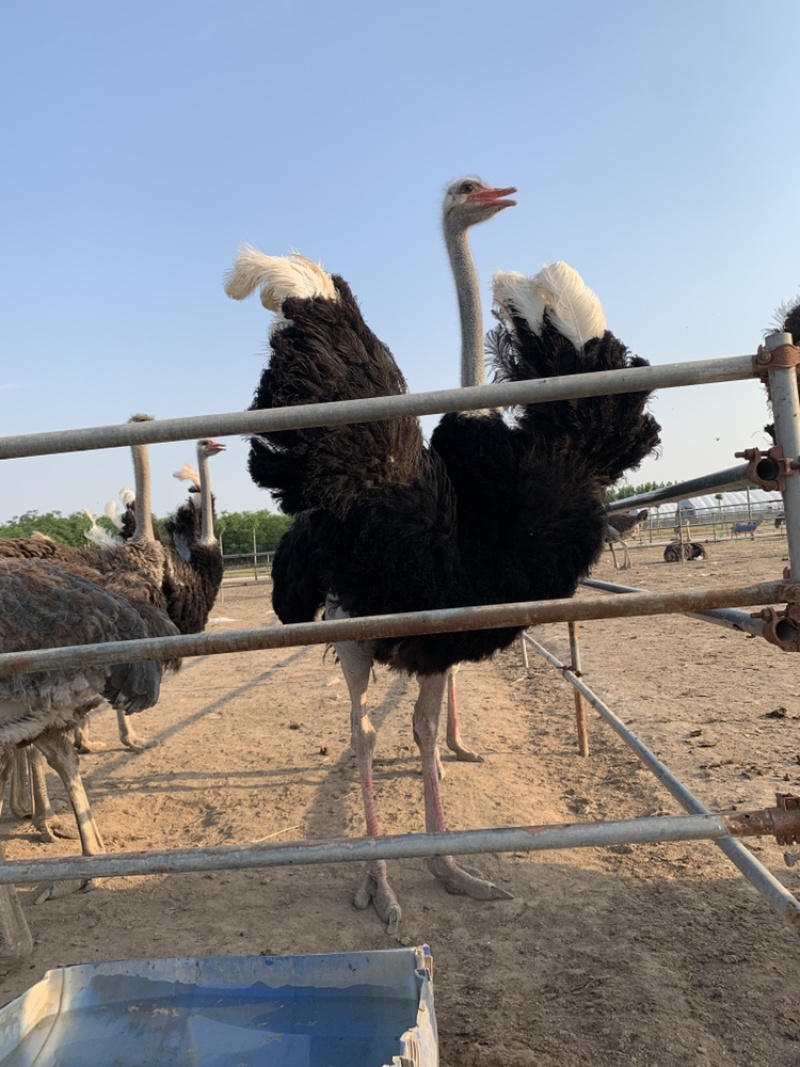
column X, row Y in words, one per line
column 557, row 291
column 515, row 294
column 572, row 307
column 127, row 496
column 278, row 277
column 97, row 535
column 111, row 513
column 187, row 474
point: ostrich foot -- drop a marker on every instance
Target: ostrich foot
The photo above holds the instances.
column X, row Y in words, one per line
column 463, row 882
column 63, row 888
column 85, row 747
column 463, row 753
column 375, row 890
column 138, row 744
column 53, row 827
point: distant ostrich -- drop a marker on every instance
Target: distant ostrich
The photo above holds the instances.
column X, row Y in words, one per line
column 620, row 529
column 488, row 512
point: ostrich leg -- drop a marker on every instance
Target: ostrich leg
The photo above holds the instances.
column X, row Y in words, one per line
column 49, row 825
column 356, row 663
column 426, row 724
column 15, row 936
column 60, row 753
column 454, row 742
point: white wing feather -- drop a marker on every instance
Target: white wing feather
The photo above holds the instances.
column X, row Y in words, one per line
column 277, row 277
column 559, row 290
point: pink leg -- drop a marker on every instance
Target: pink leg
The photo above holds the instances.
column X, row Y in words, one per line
column 426, row 726
column 454, row 742
column 356, row 663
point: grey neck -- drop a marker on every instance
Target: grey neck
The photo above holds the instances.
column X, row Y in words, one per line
column 473, row 369
column 144, row 515
column 206, row 504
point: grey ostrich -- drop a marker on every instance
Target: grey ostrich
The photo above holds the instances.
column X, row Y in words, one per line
column 45, row 606
column 193, row 567
column 489, row 512
column 135, row 568
column 61, row 599
column 187, row 587
column 620, row 529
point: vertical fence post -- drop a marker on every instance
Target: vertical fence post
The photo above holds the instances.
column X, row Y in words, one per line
column 580, row 706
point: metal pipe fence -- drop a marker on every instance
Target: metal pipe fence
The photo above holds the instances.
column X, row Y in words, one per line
column 487, row 616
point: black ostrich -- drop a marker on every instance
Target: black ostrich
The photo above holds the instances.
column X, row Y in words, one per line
column 491, row 511
column 789, row 319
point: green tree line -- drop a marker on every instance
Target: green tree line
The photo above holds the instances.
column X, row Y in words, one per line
column 239, row 531
column 624, row 491
column 235, row 529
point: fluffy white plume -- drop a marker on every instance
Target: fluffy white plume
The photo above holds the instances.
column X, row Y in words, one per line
column 127, row 496
column 97, row 535
column 187, row 474
column 277, row 277
column 515, row 293
column 571, row 305
column 111, row 512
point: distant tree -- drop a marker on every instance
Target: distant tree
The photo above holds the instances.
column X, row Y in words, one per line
column 622, row 492
column 237, row 529
column 68, row 529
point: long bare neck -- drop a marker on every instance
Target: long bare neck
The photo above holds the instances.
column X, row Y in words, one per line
column 473, row 369
column 144, row 515
column 206, row 503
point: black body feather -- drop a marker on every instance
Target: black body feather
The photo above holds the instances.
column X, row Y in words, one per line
column 490, row 512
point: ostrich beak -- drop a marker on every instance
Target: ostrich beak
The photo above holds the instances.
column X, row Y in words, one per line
column 494, row 197
column 212, row 447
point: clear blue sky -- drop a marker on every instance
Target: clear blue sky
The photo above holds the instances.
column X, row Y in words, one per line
column 654, row 147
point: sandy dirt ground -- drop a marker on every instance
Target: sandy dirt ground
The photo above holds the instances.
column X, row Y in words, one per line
column 634, row 955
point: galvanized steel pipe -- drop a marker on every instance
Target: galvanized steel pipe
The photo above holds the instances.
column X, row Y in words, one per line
column 373, row 409
column 485, row 617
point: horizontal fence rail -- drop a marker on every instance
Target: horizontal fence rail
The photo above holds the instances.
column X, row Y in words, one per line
column 362, row 628
column 647, row 830
column 730, row 618
column 503, row 394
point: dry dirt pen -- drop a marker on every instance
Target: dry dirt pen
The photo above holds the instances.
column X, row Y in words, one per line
column 630, row 953
column 634, row 954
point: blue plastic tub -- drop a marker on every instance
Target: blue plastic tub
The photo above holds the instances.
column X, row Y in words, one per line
column 349, row 1009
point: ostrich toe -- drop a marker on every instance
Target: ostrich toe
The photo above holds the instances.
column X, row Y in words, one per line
column 462, row 882
column 63, row 888
column 52, row 827
column 375, row 889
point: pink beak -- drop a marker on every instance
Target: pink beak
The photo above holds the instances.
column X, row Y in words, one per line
column 494, row 197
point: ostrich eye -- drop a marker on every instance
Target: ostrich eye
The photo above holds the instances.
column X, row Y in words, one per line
column 468, row 187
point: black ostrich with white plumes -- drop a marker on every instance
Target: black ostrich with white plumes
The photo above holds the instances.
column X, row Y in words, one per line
column 491, row 511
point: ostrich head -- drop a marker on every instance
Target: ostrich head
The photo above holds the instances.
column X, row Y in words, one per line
column 469, row 201
column 192, row 523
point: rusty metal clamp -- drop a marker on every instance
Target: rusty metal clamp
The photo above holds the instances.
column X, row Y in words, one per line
column 769, row 469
